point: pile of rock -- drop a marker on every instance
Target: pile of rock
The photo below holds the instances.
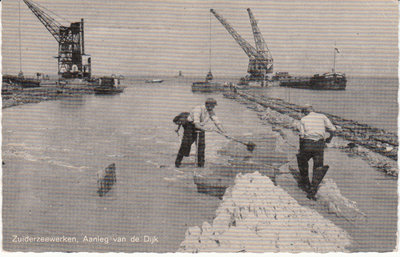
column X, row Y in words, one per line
column 330, row 196
column 377, row 140
column 277, row 118
column 377, row 147
column 257, row 216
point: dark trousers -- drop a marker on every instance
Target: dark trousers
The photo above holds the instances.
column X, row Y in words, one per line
column 309, row 149
column 190, row 135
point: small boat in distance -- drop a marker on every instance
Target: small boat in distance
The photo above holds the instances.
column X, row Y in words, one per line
column 154, row 81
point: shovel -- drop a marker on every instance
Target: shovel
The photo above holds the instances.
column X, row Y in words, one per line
column 250, row 145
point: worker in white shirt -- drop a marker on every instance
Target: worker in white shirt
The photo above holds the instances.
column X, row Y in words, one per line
column 313, row 136
column 199, row 121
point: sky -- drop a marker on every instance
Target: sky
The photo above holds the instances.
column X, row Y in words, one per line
column 160, row 38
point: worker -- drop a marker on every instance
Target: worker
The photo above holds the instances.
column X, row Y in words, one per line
column 313, row 136
column 198, row 122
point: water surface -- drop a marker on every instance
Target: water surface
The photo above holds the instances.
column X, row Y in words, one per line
column 53, row 150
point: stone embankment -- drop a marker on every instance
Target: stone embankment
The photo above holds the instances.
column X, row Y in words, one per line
column 15, row 95
column 377, row 147
column 377, row 140
column 257, row 216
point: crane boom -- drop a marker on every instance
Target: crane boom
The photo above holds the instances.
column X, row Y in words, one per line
column 51, row 24
column 258, row 37
column 260, row 59
column 72, row 60
column 247, row 48
column 261, row 46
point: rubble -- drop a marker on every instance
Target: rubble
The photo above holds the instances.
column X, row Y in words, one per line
column 330, row 196
column 377, row 140
column 257, row 216
column 377, row 147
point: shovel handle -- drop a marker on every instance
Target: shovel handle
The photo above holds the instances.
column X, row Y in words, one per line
column 229, row 137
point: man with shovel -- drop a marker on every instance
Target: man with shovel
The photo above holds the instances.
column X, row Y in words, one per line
column 313, row 128
column 194, row 131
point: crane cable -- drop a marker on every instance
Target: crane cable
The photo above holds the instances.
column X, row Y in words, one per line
column 49, row 11
column 209, row 57
column 19, row 37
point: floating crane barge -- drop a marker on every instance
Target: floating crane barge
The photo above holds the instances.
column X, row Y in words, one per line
column 74, row 65
column 260, row 58
column 72, row 60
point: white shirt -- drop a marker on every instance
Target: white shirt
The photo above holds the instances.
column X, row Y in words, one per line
column 314, row 125
column 200, row 115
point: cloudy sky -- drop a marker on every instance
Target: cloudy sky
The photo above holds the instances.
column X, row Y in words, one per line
column 132, row 37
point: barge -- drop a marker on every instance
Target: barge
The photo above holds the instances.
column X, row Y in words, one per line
column 206, row 86
column 295, row 82
column 108, row 85
column 326, row 81
column 21, row 81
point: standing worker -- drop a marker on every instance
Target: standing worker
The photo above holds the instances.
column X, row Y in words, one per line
column 313, row 128
column 194, row 131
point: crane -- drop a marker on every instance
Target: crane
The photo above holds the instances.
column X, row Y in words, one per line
column 260, row 58
column 72, row 60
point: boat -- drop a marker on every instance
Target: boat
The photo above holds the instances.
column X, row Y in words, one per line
column 207, row 86
column 327, row 81
column 295, row 82
column 280, row 76
column 154, row 81
column 107, row 85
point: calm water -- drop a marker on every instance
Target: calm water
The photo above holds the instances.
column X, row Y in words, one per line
column 53, row 150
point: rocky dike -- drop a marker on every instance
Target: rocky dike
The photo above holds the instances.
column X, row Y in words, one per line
column 378, row 147
column 257, row 216
column 262, row 209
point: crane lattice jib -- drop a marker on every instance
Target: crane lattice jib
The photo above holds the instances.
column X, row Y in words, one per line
column 51, row 24
column 247, row 48
column 261, row 46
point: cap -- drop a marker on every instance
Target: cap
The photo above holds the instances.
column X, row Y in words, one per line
column 211, row 101
column 307, row 107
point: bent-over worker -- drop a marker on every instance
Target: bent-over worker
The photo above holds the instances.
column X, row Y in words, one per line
column 194, row 131
column 313, row 128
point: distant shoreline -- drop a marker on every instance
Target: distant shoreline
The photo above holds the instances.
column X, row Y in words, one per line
column 15, row 95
